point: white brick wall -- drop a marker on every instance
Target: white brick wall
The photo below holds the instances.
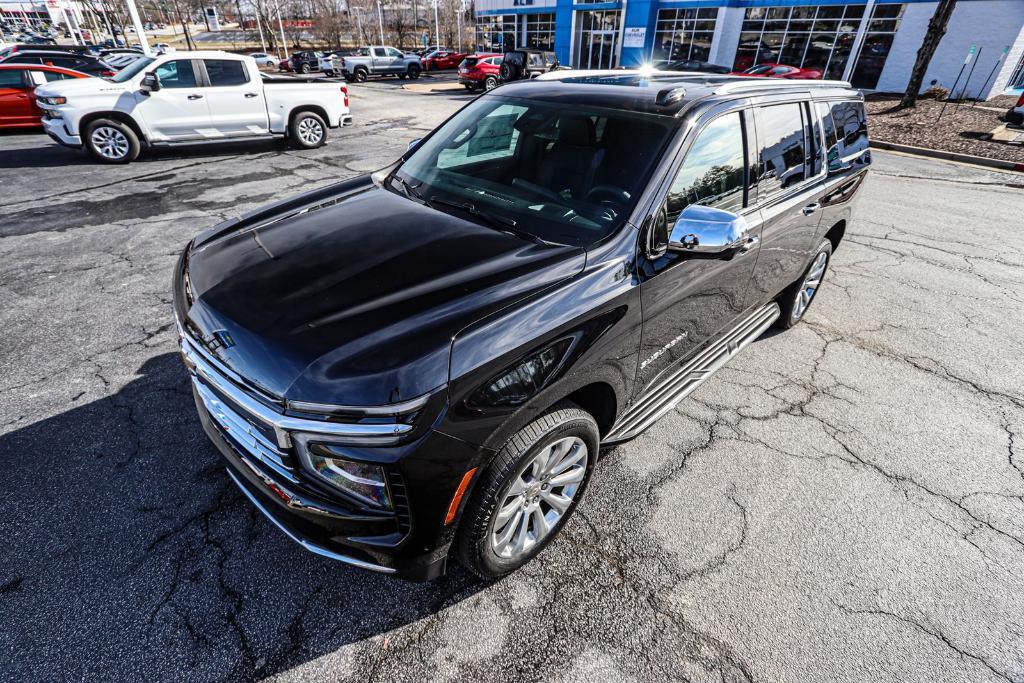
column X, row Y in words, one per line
column 989, row 24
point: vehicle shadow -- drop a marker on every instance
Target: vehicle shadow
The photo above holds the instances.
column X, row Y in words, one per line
column 124, row 523
column 38, row 151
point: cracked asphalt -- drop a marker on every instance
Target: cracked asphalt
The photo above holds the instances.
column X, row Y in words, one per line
column 844, row 501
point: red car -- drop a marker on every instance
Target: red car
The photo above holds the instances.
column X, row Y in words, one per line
column 772, row 70
column 480, row 71
column 439, row 59
column 17, row 92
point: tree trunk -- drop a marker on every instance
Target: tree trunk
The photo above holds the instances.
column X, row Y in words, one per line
column 932, row 38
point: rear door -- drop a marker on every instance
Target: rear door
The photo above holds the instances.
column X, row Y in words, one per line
column 790, row 187
column 179, row 110
column 17, row 104
column 236, row 99
column 380, row 62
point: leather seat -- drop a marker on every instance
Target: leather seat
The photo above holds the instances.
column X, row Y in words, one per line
column 571, row 161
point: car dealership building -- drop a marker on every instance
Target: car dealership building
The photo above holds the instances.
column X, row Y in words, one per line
column 872, row 43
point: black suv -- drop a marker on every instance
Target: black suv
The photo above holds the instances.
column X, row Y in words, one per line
column 430, row 358
column 524, row 64
column 84, row 63
column 304, row 62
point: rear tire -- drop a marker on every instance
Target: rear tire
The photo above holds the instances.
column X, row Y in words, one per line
column 111, row 142
column 799, row 296
column 304, row 69
column 490, row 83
column 307, row 130
column 548, row 461
column 360, row 74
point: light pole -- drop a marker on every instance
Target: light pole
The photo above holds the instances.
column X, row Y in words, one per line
column 259, row 25
column 140, row 32
column 380, row 18
column 437, row 25
column 280, row 25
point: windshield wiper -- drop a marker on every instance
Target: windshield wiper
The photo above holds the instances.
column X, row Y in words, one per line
column 502, row 223
column 410, row 191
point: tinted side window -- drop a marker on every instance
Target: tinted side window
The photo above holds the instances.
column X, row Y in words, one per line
column 379, row 52
column 392, row 52
column 11, row 79
column 713, row 172
column 177, row 74
column 781, row 136
column 54, row 76
column 225, row 72
column 851, row 127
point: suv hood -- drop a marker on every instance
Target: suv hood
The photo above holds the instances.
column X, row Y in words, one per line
column 355, row 299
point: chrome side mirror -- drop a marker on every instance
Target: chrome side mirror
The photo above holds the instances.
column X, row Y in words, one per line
column 706, row 230
column 413, row 144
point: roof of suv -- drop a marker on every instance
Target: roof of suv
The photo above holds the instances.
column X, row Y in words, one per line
column 660, row 92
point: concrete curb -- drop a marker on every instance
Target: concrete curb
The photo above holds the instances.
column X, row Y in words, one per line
column 1001, row 164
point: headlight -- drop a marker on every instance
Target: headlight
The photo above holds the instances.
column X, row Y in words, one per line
column 54, row 100
column 362, row 480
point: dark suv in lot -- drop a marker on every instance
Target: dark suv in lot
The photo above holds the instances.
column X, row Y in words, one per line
column 429, row 359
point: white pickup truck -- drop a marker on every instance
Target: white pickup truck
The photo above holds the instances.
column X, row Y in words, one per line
column 187, row 98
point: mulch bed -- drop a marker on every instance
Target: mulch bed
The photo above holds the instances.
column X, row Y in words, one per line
column 959, row 130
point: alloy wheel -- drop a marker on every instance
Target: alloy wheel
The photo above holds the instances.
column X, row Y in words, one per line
column 810, row 285
column 539, row 496
column 310, row 131
column 110, row 143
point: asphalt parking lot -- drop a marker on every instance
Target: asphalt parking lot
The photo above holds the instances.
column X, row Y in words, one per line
column 844, row 501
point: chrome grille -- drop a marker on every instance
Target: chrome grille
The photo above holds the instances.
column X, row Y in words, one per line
column 243, row 433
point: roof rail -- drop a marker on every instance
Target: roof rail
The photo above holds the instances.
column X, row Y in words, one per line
column 740, row 85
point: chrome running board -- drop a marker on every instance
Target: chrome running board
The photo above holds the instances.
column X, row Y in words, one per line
column 668, row 392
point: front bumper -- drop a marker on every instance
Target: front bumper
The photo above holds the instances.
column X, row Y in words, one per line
column 58, row 132
column 423, row 469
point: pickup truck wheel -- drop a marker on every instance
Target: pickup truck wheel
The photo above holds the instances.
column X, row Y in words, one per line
column 414, row 71
column 490, row 83
column 532, row 486
column 308, row 130
column 797, row 298
column 111, row 142
column 360, row 75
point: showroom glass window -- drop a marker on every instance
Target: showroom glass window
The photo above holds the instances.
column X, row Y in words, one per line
column 684, row 34
column 781, row 135
column 713, row 172
column 597, row 39
column 497, row 33
column 819, row 38
column 540, row 31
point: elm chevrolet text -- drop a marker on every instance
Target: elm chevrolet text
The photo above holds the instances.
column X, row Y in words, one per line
column 426, row 361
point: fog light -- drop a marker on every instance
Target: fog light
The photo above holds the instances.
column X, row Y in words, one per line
column 364, row 481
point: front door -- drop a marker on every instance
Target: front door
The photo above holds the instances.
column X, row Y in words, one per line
column 689, row 300
column 178, row 110
column 235, row 98
column 17, row 104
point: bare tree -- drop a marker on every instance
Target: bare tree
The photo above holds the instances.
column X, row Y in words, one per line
column 932, row 38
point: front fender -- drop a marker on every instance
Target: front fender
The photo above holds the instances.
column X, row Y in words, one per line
column 508, row 369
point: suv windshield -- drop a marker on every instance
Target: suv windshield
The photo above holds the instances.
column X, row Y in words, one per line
column 132, row 69
column 565, row 175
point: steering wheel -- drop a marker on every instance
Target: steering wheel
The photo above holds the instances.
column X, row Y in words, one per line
column 608, row 194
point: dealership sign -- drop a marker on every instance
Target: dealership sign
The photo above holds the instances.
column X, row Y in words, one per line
column 634, row 37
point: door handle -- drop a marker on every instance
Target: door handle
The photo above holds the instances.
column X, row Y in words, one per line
column 195, row 97
column 810, row 208
column 251, row 94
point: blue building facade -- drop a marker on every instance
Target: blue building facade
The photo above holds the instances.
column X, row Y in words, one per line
column 871, row 43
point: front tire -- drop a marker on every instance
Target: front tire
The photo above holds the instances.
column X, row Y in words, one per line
column 799, row 296
column 308, row 130
column 111, row 142
column 414, row 71
column 529, row 491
